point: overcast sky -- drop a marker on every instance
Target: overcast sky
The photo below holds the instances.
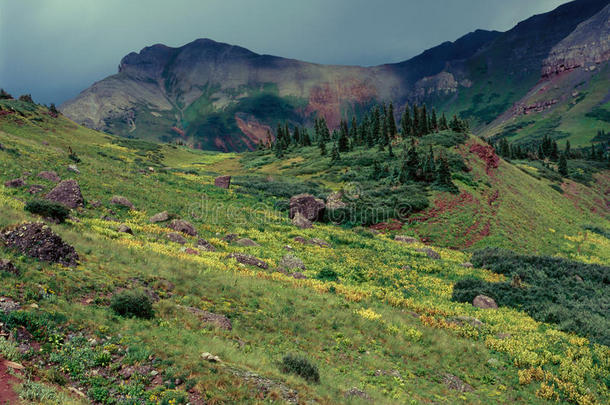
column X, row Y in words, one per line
column 53, row 49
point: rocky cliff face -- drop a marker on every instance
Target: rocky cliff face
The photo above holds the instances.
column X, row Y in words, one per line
column 218, row 96
column 587, row 46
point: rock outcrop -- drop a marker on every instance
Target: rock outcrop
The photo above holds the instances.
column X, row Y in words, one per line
column 67, row 193
column 308, row 206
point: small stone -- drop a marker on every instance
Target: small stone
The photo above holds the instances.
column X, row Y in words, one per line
column 125, row 229
column 230, row 237
column 191, row 251
column 430, row 253
column 578, row 278
column 467, row 265
column 223, row 182
column 160, row 217
column 355, row 392
column 50, row 176
column 300, row 221
column 319, row 242
column 176, row 238
column 246, row 242
column 73, row 169
column 405, row 239
column 456, row 384
column 8, row 305
column 185, row 227
column 122, row 202
column 484, row 302
column 210, row 357
column 95, row 203
column 249, row 260
column 15, row 183
column 8, row 266
column 298, row 275
column 13, row 365
column 35, row 189
column 205, row 245
column 291, row 262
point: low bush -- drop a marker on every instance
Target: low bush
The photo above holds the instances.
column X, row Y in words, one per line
column 132, row 304
column 300, row 366
column 327, row 275
column 48, row 209
column 573, row 295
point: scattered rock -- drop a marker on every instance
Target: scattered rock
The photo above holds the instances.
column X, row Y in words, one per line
column 109, row 218
column 160, row 217
column 578, row 278
column 485, row 302
column 50, row 175
column 456, row 384
column 67, row 193
column 249, row 260
column 467, row 265
column 95, row 203
column 125, row 229
column 191, row 251
column 298, row 275
column 185, row 227
column 35, row 189
column 176, row 237
column 291, row 262
column 26, row 174
column 13, row 365
column 334, row 201
column 355, row 392
column 289, row 248
column 230, row 237
column 430, row 253
column 8, row 305
column 503, row 336
column 223, row 182
column 210, row 357
column 300, row 221
column 314, row 241
column 205, row 245
column 122, row 201
column 405, row 239
column 73, row 169
column 40, row 242
column 220, row 321
column 265, row 385
column 246, row 242
column 309, row 206
column 15, row 183
column 8, row 267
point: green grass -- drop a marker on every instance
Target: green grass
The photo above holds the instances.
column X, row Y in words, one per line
column 358, row 330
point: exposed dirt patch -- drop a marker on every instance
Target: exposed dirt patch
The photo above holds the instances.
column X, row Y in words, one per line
column 488, row 155
column 7, row 393
column 255, row 131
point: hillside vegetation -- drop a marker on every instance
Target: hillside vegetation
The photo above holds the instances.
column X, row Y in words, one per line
column 329, row 314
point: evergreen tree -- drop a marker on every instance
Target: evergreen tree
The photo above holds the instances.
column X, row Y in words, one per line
column 443, row 123
column 563, row 165
column 353, row 131
column 412, row 162
column 423, row 121
column 343, row 141
column 415, row 122
column 443, row 173
column 305, row 139
column 405, row 122
column 390, row 151
column 433, row 121
column 554, row 152
column 322, row 146
column 53, row 110
column 296, row 136
column 391, row 123
column 567, row 152
column 334, row 154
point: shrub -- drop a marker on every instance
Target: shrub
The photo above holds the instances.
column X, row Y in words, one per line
column 300, row 366
column 48, row 209
column 132, row 304
column 327, row 275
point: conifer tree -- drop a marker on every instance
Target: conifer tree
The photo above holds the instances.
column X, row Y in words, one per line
column 343, row 141
column 443, row 173
column 423, row 121
column 322, row 146
column 567, row 152
column 334, row 154
column 443, row 122
column 353, row 131
column 433, row 121
column 391, row 123
column 405, row 122
column 563, row 165
column 305, row 139
column 415, row 122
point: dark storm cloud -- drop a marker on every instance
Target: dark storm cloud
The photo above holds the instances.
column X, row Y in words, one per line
column 56, row 48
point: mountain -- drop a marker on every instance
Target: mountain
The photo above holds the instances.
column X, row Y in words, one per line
column 218, row 96
column 238, row 305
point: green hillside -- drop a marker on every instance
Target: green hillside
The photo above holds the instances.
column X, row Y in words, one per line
column 374, row 319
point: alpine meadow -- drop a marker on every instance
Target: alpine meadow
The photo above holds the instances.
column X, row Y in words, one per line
column 214, row 225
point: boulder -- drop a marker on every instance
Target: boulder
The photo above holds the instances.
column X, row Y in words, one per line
column 176, row 237
column 191, row 251
column 40, row 242
column 8, row 305
column 467, row 265
column 210, row 357
column 67, row 193
column 125, row 229
column 300, row 221
column 223, row 182
column 314, row 241
column 35, row 189
column 230, row 237
column 160, row 217
column 122, row 202
column 298, row 275
column 246, row 242
column 249, row 260
column 185, row 227
column 73, row 169
column 357, row 393
column 8, row 267
column 485, row 302
column 205, row 245
column 463, row 319
column 95, row 203
column 50, row 176
column 430, row 253
column 291, row 262
column 15, row 183
column 405, row 239
column 309, row 206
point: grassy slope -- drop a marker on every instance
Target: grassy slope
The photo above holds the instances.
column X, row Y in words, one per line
column 349, row 329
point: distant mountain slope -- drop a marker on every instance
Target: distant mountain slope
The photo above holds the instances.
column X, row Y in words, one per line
column 218, row 96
